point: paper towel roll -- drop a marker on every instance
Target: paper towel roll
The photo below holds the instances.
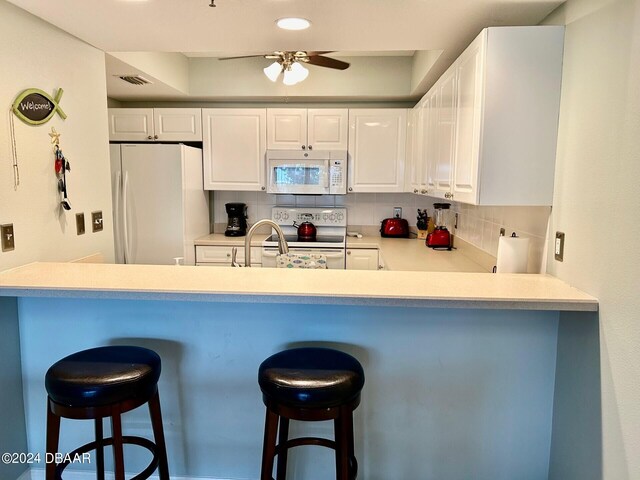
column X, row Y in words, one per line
column 513, row 255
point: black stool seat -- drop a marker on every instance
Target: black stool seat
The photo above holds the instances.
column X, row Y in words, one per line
column 311, row 377
column 104, row 375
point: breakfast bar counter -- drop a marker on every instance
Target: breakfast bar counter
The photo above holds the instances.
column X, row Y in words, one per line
column 353, row 287
column 453, row 361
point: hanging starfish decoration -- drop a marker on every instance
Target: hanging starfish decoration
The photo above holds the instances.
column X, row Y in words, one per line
column 55, row 136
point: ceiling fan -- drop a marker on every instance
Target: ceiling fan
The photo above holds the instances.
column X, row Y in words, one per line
column 289, row 63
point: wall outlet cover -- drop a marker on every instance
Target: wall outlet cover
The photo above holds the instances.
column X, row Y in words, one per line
column 397, row 212
column 96, row 221
column 559, row 246
column 7, row 240
column 80, row 224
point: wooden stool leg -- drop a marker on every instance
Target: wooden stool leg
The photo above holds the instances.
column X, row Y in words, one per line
column 99, row 449
column 342, row 445
column 269, row 445
column 118, row 452
column 158, row 435
column 348, row 427
column 53, row 434
column 283, row 436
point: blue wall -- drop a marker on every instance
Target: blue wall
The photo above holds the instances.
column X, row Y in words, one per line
column 450, row 394
column 13, row 438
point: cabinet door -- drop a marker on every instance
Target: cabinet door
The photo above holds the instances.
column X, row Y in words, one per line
column 468, row 118
column 362, row 259
column 423, row 133
column 327, row 128
column 177, row 124
column 287, row 128
column 430, row 162
column 234, row 148
column 413, row 164
column 446, row 133
column 221, row 255
column 377, row 144
column 131, row 124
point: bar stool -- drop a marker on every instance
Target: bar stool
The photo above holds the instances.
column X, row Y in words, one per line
column 310, row 384
column 105, row 382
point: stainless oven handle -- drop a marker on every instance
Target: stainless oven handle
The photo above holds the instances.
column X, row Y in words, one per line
column 272, row 252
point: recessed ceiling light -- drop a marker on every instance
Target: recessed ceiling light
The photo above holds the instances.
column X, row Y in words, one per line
column 293, row 23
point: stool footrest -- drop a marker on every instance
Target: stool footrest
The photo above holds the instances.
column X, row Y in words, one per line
column 126, row 440
column 296, row 442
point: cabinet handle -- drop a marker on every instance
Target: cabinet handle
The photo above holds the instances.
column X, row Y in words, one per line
column 348, row 252
column 415, row 190
column 423, row 191
column 350, row 189
column 228, row 255
column 155, row 137
column 310, row 147
column 149, row 137
column 263, row 188
column 304, row 147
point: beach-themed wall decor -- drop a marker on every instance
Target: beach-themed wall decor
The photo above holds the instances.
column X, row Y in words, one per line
column 35, row 107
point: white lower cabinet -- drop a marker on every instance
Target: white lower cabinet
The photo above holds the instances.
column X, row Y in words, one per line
column 363, row 259
column 220, row 256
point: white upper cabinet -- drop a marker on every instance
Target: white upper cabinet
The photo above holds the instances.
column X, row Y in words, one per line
column 302, row 129
column 492, row 128
column 155, row 124
column 413, row 164
column 234, row 148
column 377, row 145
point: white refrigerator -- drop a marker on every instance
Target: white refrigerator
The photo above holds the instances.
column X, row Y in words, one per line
column 159, row 204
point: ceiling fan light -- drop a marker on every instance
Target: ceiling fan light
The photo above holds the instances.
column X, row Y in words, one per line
column 289, row 78
column 299, row 71
column 273, row 71
column 293, row 23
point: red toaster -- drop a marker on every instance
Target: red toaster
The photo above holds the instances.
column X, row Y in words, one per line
column 394, row 227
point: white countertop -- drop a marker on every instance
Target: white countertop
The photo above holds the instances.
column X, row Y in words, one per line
column 219, row 239
column 411, row 254
column 260, row 285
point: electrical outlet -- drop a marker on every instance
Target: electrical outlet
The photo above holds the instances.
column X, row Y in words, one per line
column 559, row 246
column 80, row 223
column 8, row 240
column 96, row 221
column 397, row 212
column 502, row 232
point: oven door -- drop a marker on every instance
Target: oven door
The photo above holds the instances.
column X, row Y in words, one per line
column 298, row 176
column 335, row 256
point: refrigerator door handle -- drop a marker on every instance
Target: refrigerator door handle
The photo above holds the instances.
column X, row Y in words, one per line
column 116, row 212
column 127, row 255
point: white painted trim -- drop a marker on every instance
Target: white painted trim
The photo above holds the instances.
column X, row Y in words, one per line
column 38, row 474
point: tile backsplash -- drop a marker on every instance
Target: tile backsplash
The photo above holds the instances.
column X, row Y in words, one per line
column 479, row 226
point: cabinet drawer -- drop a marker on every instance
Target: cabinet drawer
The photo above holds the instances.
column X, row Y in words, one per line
column 222, row 254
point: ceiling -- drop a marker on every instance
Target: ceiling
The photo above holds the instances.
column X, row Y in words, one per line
column 236, row 27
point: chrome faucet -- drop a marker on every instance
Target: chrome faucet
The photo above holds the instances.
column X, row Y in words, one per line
column 282, row 243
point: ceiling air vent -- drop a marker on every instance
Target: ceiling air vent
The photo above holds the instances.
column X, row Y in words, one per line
column 134, row 79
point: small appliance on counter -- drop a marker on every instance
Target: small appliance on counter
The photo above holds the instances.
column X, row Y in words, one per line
column 440, row 238
column 237, row 221
column 395, row 227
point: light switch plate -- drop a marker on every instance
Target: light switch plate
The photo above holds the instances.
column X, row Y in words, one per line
column 559, row 246
column 8, row 240
column 80, row 223
column 96, row 221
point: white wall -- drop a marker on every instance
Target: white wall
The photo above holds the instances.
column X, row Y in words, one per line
column 596, row 204
column 35, row 54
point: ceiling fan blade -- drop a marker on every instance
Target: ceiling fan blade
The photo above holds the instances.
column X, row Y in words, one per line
column 245, row 56
column 313, row 54
column 321, row 61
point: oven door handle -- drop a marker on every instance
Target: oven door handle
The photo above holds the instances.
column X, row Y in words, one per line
column 273, row 252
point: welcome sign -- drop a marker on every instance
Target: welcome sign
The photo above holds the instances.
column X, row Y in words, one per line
column 35, row 107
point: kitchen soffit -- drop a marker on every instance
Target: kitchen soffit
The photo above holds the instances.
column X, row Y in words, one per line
column 236, row 27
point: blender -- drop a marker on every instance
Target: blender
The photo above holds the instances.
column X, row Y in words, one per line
column 440, row 238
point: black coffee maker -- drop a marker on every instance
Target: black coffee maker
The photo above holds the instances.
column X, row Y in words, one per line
column 237, row 222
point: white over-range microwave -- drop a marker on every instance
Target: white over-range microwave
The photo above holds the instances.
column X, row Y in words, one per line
column 313, row 173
